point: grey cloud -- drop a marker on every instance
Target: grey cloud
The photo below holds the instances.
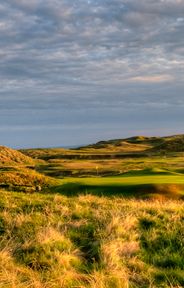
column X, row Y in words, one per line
column 72, row 55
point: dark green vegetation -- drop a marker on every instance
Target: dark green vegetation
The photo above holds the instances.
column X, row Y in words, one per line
column 109, row 214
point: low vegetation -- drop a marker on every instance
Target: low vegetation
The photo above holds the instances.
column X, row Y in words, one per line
column 13, row 157
column 108, row 215
column 112, row 157
column 23, row 179
column 87, row 241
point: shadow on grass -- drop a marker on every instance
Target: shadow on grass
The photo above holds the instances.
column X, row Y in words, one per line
column 141, row 191
column 138, row 191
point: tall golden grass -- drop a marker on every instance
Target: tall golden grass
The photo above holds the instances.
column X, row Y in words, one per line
column 87, row 241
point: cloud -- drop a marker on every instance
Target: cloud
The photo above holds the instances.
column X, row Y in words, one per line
column 153, row 79
column 70, row 55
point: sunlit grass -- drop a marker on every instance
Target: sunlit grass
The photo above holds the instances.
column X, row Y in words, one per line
column 87, row 241
column 130, row 180
column 155, row 183
column 24, row 179
column 90, row 230
column 60, row 167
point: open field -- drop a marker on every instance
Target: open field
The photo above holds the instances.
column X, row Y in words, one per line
column 75, row 167
column 112, row 157
column 109, row 215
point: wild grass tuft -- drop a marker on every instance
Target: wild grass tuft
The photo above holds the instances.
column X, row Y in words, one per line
column 87, row 241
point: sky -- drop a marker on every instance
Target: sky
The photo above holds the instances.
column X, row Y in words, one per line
column 75, row 72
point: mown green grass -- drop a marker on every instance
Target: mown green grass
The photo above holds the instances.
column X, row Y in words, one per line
column 152, row 183
column 87, row 241
column 130, row 179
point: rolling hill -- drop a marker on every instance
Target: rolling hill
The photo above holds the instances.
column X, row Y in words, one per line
column 13, row 157
column 171, row 144
column 136, row 144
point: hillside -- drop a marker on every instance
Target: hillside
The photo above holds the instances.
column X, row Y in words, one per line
column 137, row 144
column 132, row 144
column 100, row 150
column 44, row 153
column 23, row 179
column 112, row 157
column 171, row 144
column 17, row 172
column 13, row 157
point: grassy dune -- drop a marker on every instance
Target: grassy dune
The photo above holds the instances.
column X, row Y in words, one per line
column 24, row 179
column 13, row 157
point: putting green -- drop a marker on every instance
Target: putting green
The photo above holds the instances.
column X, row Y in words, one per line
column 135, row 178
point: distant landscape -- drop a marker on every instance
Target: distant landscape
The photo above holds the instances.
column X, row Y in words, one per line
column 109, row 214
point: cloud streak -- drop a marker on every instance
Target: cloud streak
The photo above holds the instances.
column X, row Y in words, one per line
column 153, row 79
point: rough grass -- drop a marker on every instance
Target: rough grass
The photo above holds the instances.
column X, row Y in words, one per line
column 24, row 179
column 87, row 241
column 172, row 144
column 13, row 157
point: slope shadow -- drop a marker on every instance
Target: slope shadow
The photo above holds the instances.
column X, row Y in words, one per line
column 140, row 191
